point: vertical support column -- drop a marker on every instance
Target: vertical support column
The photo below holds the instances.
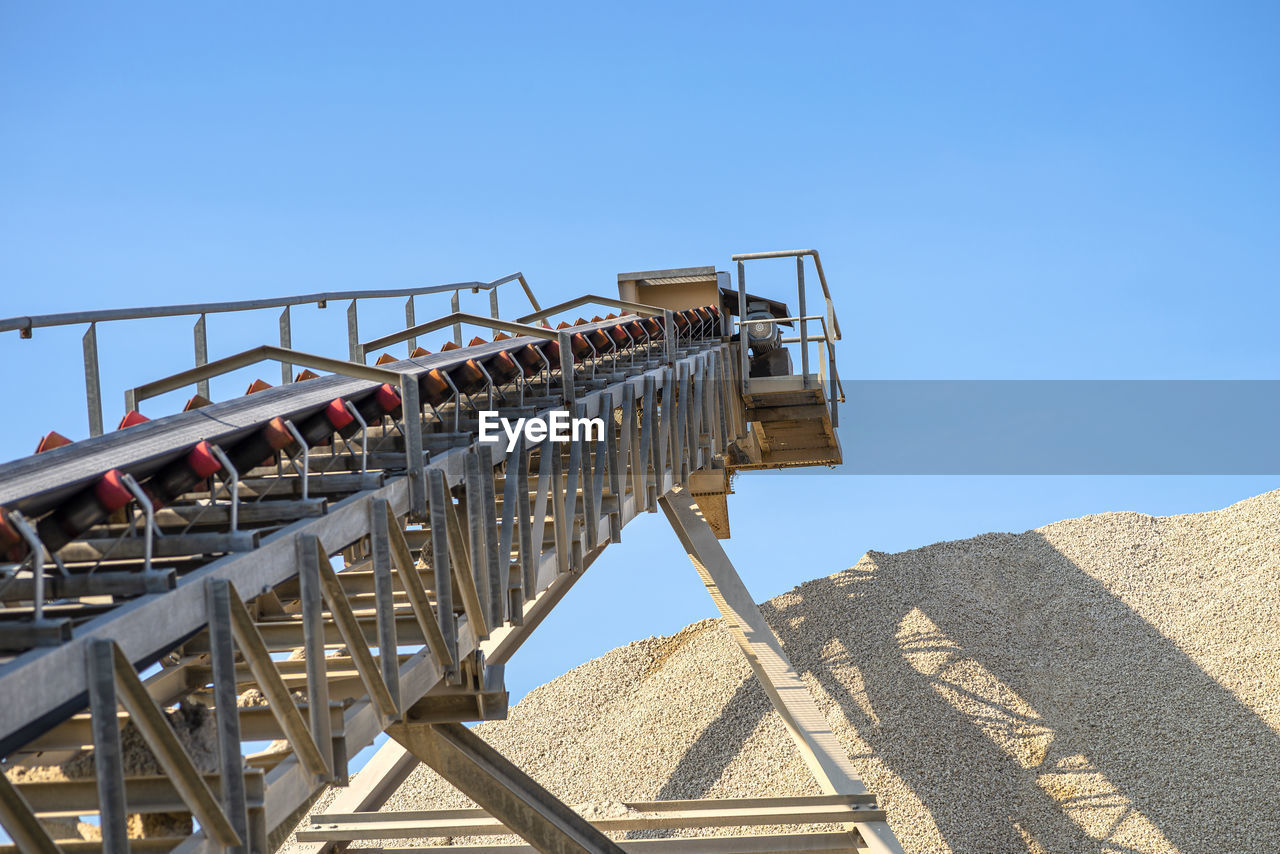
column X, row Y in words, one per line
column 587, row 481
column 384, row 596
column 647, row 423
column 202, row 355
column 230, row 761
column 561, row 525
column 286, row 341
column 410, row 322
column 107, row 754
column 353, row 334
column 476, row 534
column 572, row 483
column 411, row 415
column 92, row 380
column 529, row 551
column 669, row 334
column 494, row 559
column 311, row 596
column 566, row 368
column 742, row 329
column 440, row 566
column 616, row 450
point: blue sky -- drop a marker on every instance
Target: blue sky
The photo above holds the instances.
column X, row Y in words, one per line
column 999, row 191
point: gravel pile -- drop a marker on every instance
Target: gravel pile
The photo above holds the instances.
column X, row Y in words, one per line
column 1110, row 683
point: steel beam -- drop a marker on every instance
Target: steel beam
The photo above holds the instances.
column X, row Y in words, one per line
column 506, row 792
column 818, row 745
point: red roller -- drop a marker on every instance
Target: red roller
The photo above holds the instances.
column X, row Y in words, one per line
column 619, row 335
column 277, row 434
column 338, row 414
column 450, row 345
column 530, row 360
column 551, row 349
column 654, row 326
column 111, row 492
column 468, row 377
column 12, row 546
column 502, row 367
column 476, row 342
column 202, row 461
column 501, row 336
column 132, row 417
column 419, row 352
column 52, row 439
column 388, row 398
column 306, row 374
column 197, row 401
column 257, row 386
column 386, row 359
column 597, row 338
column 435, row 388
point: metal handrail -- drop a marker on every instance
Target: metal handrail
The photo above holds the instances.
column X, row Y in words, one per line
column 27, row 323
column 817, row 263
column 92, row 378
column 824, row 338
column 830, row 336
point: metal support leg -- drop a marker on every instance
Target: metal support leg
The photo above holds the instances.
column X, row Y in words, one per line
column 818, row 746
column 309, row 591
column 108, row 757
column 502, row 789
column 231, row 762
column 384, row 596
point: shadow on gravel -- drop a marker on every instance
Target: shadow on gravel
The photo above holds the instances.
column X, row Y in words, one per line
column 1024, row 703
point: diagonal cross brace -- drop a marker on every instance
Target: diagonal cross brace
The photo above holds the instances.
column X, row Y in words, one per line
column 818, row 745
column 503, row 790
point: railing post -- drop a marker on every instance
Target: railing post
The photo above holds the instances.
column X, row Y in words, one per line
column 202, row 355
column 804, row 324
column 742, row 317
column 409, row 322
column 286, row 341
column 454, row 308
column 353, row 335
column 92, row 382
column 493, row 303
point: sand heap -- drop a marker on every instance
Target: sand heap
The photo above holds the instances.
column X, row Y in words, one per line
column 1110, row 683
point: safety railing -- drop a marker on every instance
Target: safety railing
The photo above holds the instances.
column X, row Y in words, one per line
column 25, row 325
column 829, row 322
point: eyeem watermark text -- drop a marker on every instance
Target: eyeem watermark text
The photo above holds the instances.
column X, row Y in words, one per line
column 558, row 426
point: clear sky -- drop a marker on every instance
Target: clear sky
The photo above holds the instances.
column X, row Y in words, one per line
column 1082, row 191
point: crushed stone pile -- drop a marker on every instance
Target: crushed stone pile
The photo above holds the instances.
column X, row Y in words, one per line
column 1109, row 683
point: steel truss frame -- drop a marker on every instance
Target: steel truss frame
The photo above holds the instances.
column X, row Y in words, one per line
column 551, row 509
